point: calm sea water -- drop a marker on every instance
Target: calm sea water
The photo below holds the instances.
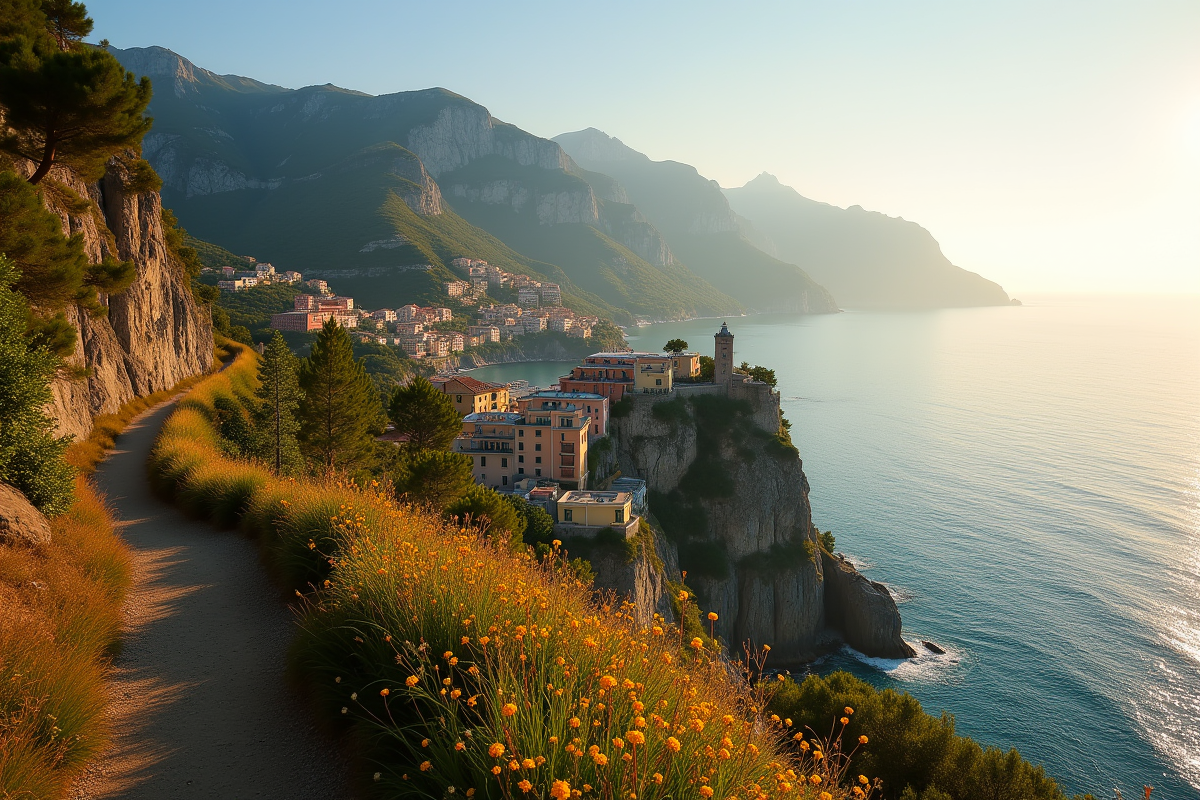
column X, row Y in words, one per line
column 1027, row 481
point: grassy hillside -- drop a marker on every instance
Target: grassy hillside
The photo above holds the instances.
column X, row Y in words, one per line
column 452, row 661
column 867, row 259
column 696, row 221
column 350, row 225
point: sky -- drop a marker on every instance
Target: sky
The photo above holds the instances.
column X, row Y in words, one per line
column 1053, row 146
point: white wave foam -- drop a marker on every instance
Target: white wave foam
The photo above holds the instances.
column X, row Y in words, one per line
column 924, row 667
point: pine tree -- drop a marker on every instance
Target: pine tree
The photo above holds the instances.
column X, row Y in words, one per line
column 67, row 22
column 433, row 477
column 31, row 456
column 77, row 107
column 341, row 413
column 275, row 424
column 425, row 415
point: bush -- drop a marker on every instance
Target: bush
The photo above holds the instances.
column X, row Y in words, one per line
column 488, row 511
column 915, row 755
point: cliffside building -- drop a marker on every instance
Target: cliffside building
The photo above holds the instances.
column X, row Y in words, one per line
column 541, row 443
column 594, row 405
column 582, row 513
column 616, row 374
column 723, row 368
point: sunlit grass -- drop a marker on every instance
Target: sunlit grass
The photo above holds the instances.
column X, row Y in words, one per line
column 463, row 668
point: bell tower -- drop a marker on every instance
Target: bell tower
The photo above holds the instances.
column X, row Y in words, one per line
column 723, row 356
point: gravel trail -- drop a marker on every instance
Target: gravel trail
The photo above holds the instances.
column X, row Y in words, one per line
column 199, row 702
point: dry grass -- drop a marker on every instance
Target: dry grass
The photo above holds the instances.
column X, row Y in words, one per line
column 59, row 621
column 466, row 669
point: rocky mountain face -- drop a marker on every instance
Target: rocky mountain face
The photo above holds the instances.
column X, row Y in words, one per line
column 228, row 143
column 698, row 225
column 867, row 259
column 745, row 534
column 154, row 334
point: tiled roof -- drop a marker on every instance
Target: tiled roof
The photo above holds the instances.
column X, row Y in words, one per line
column 472, row 385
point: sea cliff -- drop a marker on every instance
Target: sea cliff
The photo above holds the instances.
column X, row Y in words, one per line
column 730, row 495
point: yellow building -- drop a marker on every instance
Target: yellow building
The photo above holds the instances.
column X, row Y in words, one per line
column 597, row 510
column 471, row 396
column 652, row 374
column 686, row 365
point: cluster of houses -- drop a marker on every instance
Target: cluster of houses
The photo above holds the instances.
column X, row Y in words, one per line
column 263, row 275
column 511, row 320
column 536, row 444
column 482, row 276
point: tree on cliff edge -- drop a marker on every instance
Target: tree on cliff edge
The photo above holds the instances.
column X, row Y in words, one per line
column 279, row 396
column 341, row 413
column 65, row 102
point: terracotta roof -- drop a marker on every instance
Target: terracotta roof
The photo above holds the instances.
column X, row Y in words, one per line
column 471, row 385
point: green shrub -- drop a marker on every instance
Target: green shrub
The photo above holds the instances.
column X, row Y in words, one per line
column 912, row 753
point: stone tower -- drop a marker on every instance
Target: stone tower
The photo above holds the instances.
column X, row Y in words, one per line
column 723, row 371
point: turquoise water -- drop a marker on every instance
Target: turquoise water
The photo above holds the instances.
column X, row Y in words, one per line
column 1027, row 480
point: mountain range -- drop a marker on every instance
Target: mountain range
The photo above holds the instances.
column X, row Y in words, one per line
column 380, row 193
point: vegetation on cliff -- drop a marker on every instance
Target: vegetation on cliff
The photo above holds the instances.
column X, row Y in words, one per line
column 916, row 756
column 458, row 662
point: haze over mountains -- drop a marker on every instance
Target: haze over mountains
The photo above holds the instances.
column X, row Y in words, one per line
column 380, row 192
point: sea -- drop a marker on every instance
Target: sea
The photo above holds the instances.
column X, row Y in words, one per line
column 1026, row 481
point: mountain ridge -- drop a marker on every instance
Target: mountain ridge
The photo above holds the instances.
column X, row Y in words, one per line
column 868, row 259
column 223, row 134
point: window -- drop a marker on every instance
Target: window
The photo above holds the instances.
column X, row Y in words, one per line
column 458, row 398
column 537, row 473
column 483, row 461
column 658, row 381
column 521, row 432
column 538, row 433
column 521, row 470
column 493, row 395
column 504, row 480
column 520, row 459
column 521, row 445
column 620, row 515
column 567, row 515
column 538, row 447
column 537, row 460
column 504, row 463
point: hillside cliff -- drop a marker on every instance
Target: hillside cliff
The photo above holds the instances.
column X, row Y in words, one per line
column 867, row 259
column 698, row 226
column 732, row 500
column 154, row 334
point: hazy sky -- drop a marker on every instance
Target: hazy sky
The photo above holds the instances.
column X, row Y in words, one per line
column 1048, row 145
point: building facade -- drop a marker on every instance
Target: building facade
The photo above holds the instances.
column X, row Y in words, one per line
column 505, row 447
column 471, row 396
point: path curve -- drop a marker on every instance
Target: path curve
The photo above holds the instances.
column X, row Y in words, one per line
column 199, row 703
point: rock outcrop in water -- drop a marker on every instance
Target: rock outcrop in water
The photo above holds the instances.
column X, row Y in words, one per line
column 732, row 499
column 155, row 334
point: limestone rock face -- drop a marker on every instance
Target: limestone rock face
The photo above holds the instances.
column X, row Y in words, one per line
column 639, row 581
column 550, row 208
column 774, row 586
column 863, row 611
column 20, row 522
column 155, row 334
column 463, row 133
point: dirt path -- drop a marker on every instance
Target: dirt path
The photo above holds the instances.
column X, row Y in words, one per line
column 199, row 702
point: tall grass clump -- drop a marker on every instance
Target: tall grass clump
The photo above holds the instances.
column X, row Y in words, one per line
column 460, row 667
column 59, row 623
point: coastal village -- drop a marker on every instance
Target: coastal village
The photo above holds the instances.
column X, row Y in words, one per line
column 426, row 332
